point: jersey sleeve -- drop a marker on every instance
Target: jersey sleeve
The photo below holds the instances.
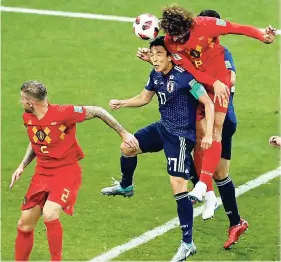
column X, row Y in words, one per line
column 72, row 114
column 229, row 63
column 150, row 85
column 217, row 27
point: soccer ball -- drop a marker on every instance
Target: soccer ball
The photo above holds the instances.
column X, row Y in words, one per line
column 146, row 26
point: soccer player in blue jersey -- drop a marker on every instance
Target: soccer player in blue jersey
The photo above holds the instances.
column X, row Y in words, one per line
column 178, row 94
column 221, row 176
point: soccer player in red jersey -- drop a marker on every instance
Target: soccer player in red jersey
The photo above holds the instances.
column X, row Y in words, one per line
column 54, row 187
column 194, row 45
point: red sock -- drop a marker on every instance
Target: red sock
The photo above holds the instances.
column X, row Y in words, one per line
column 198, row 158
column 23, row 245
column 210, row 162
column 54, row 235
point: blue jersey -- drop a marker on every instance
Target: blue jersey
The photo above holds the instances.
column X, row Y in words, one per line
column 229, row 63
column 177, row 104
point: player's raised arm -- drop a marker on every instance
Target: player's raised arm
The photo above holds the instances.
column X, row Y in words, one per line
column 218, row 27
column 95, row 111
column 29, row 156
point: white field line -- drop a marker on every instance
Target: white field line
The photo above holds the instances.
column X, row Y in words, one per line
column 72, row 14
column 158, row 231
column 66, row 14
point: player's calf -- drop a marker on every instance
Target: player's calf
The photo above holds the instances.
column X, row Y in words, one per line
column 25, row 237
column 51, row 212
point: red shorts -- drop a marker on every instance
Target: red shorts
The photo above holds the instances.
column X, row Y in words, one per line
column 200, row 113
column 61, row 187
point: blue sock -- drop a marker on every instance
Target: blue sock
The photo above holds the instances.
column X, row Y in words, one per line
column 128, row 166
column 185, row 214
column 227, row 192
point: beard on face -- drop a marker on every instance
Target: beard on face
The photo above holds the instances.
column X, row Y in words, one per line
column 28, row 110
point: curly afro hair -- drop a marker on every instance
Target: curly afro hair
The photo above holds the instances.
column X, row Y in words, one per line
column 176, row 20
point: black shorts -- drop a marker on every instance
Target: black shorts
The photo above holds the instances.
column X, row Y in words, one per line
column 155, row 137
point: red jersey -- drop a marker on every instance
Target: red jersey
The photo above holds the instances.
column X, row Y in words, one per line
column 202, row 55
column 53, row 138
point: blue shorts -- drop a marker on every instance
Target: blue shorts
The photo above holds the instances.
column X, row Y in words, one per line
column 229, row 128
column 155, row 137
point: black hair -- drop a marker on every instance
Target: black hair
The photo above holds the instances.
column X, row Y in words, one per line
column 210, row 13
column 159, row 41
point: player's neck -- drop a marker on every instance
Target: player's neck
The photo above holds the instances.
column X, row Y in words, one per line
column 169, row 68
column 41, row 110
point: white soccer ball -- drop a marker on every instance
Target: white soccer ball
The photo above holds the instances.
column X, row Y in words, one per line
column 146, row 26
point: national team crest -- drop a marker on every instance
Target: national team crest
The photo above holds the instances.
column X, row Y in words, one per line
column 170, row 86
column 195, row 53
column 41, row 135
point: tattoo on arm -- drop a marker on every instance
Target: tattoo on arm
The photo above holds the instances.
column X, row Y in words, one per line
column 95, row 111
column 29, row 156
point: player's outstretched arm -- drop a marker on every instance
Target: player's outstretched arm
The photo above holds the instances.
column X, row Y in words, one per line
column 140, row 100
column 101, row 113
column 217, row 27
column 29, row 156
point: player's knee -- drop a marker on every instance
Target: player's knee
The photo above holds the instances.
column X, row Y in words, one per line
column 25, row 225
column 50, row 214
column 127, row 151
column 178, row 184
